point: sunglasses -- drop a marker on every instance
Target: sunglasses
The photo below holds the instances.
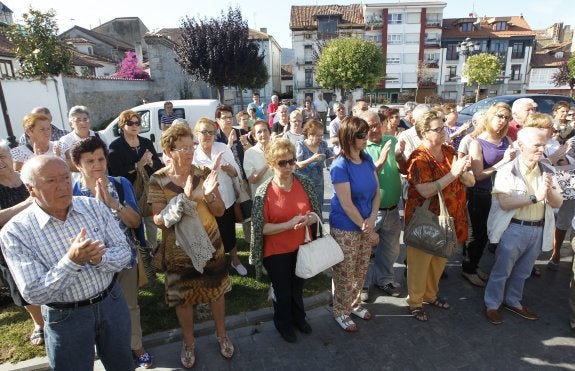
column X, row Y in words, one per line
column 284, row 163
column 132, row 123
column 438, row 129
column 503, row 117
column 211, row 133
column 361, row 135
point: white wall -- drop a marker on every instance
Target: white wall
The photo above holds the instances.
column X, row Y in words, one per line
column 22, row 95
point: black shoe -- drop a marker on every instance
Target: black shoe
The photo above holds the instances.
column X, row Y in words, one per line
column 289, row 335
column 304, row 327
column 390, row 290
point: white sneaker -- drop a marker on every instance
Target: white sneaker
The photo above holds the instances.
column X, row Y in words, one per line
column 242, row 271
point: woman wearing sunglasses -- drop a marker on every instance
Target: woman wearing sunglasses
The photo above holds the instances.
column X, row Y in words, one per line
column 280, row 214
column 433, row 163
column 129, row 154
column 354, row 208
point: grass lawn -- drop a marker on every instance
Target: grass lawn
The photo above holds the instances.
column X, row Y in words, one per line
column 247, row 294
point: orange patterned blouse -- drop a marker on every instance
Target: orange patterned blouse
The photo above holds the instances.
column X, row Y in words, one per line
column 424, row 168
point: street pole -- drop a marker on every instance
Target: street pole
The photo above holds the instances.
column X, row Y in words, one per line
column 11, row 138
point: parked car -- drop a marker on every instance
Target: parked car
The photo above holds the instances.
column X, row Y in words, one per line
column 151, row 113
column 545, row 103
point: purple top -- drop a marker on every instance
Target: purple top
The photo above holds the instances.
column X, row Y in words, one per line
column 492, row 154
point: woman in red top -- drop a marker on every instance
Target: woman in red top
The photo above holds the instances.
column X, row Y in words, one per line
column 280, row 214
column 433, row 162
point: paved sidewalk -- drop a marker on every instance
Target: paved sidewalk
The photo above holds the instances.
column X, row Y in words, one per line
column 459, row 338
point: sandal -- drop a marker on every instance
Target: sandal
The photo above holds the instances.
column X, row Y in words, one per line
column 439, row 303
column 346, row 323
column 226, row 346
column 145, row 360
column 418, row 313
column 37, row 337
column 187, row 356
column 361, row 312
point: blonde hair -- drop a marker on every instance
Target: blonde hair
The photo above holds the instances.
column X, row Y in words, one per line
column 31, row 119
column 538, row 120
column 278, row 148
column 173, row 133
column 205, row 121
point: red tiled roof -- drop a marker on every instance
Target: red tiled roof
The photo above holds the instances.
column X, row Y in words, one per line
column 548, row 59
column 516, row 26
column 304, row 17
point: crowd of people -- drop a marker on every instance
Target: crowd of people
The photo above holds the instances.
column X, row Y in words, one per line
column 80, row 216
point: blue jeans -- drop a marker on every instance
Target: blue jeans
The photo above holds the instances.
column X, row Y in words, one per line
column 70, row 334
column 388, row 226
column 515, row 256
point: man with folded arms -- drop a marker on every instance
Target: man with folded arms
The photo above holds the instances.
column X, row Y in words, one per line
column 521, row 221
column 64, row 253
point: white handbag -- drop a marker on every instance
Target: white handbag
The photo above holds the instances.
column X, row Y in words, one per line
column 315, row 256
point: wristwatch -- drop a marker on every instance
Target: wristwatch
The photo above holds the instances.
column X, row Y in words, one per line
column 533, row 199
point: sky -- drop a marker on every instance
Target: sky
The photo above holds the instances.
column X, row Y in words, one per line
column 260, row 13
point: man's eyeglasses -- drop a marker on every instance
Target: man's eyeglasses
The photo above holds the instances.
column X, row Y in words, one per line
column 284, row 163
column 210, row 133
column 133, row 122
column 438, row 129
column 361, row 135
column 503, row 117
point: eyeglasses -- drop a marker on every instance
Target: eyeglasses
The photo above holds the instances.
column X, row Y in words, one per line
column 503, row 117
column 284, row 163
column 210, row 133
column 132, row 123
column 438, row 129
column 183, row 149
column 361, row 135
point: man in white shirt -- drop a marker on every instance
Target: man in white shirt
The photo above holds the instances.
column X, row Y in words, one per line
column 321, row 107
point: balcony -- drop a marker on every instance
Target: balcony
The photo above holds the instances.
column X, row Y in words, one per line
column 304, row 62
column 433, row 24
column 432, row 43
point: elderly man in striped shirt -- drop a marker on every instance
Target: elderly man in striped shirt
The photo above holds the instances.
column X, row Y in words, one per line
column 64, row 253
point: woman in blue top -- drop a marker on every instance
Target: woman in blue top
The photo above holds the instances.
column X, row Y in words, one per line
column 311, row 154
column 354, row 208
column 90, row 158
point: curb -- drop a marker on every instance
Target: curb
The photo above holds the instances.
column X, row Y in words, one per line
column 201, row 329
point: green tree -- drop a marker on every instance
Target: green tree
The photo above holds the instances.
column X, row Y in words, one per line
column 482, row 69
column 219, row 51
column 565, row 75
column 348, row 63
column 37, row 47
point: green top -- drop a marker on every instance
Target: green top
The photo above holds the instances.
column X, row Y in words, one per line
column 388, row 175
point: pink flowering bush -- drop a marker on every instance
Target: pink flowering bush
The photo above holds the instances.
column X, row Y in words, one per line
column 130, row 69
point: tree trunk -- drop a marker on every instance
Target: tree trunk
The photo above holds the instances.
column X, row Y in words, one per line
column 477, row 94
column 220, row 94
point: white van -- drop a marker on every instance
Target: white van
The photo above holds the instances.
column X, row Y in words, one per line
column 151, row 113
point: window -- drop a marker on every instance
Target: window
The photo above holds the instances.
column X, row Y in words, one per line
column 452, row 72
column 466, row 27
column 308, row 78
column 431, row 57
column 413, row 18
column 393, row 58
column 412, row 38
column 307, row 54
column 6, row 68
column 500, row 26
column 518, row 51
column 326, row 27
column 451, row 54
column 394, row 39
column 393, row 78
column 516, row 72
column 375, row 38
column 289, row 89
column 90, row 50
column 395, row 18
column 433, row 19
column 432, row 39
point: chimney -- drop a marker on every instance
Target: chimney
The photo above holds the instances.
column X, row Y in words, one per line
column 264, row 29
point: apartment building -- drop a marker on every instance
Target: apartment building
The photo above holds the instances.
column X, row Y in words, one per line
column 510, row 38
column 410, row 37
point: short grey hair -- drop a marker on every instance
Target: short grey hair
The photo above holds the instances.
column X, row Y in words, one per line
column 419, row 111
column 31, row 167
column 4, row 145
column 43, row 110
column 78, row 110
column 528, row 134
column 522, row 102
column 366, row 115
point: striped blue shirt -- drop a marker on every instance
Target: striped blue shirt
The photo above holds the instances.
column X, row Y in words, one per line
column 36, row 246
